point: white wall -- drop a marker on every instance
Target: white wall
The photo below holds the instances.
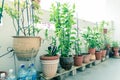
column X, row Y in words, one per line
column 113, row 13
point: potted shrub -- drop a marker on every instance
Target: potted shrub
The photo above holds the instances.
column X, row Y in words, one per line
column 62, row 16
column 103, row 50
column 115, row 47
column 78, row 58
column 50, row 61
column 91, row 36
column 25, row 15
column 102, row 40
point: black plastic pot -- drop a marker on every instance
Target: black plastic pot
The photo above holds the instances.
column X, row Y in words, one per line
column 66, row 62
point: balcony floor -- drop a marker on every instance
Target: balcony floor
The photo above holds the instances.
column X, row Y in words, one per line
column 107, row 70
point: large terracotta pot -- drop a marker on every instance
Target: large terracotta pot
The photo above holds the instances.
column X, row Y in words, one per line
column 98, row 55
column 49, row 65
column 78, row 59
column 66, row 62
column 26, row 47
column 86, row 58
column 91, row 50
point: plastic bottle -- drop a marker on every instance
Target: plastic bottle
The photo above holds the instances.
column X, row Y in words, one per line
column 22, row 73
column 11, row 76
column 29, row 74
column 34, row 72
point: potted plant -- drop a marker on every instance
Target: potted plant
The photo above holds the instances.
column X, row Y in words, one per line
column 91, row 36
column 78, row 58
column 101, row 40
column 25, row 15
column 103, row 49
column 50, row 61
column 98, row 53
column 115, row 47
column 62, row 16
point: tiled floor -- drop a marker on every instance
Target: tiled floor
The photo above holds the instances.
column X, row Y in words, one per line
column 107, row 70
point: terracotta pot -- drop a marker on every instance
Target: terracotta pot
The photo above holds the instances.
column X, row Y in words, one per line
column 49, row 65
column 86, row 58
column 78, row 60
column 105, row 31
column 66, row 62
column 26, row 47
column 116, row 49
column 103, row 53
column 92, row 57
column 98, row 55
column 91, row 50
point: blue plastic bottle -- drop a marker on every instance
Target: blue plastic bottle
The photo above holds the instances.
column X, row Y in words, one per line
column 22, row 73
column 34, row 72
column 11, row 76
column 29, row 74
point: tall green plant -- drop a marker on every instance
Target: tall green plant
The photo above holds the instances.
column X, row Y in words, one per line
column 63, row 18
column 92, row 36
column 25, row 15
